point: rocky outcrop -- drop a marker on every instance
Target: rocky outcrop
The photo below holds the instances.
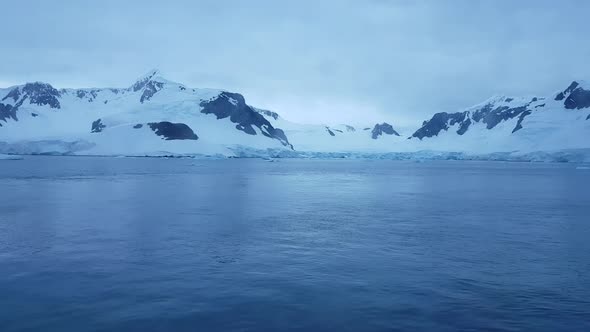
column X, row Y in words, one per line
column 97, row 126
column 142, row 82
column 383, row 128
column 577, row 97
column 40, row 94
column 567, row 91
column 149, row 85
column 233, row 106
column 443, row 121
column 150, row 90
column 490, row 114
column 173, row 131
column 350, row 128
column 37, row 93
column 7, row 112
column 520, row 119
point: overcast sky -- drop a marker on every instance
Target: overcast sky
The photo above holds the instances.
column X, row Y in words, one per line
column 310, row 60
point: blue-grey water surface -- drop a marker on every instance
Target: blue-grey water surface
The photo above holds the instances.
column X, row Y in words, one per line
column 124, row 244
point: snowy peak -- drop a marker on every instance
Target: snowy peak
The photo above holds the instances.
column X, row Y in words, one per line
column 37, row 93
column 142, row 81
column 148, row 85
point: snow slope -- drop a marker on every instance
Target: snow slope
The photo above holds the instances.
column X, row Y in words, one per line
column 337, row 138
column 557, row 122
column 155, row 116
column 117, row 121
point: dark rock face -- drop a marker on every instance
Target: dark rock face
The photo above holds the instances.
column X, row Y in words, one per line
column 350, row 128
column 150, row 90
column 89, row 94
column 508, row 100
column 578, row 99
column 464, row 126
column 234, row 106
column 489, row 114
column 14, row 94
column 492, row 116
column 34, row 115
column 330, row 132
column 575, row 97
column 142, row 83
column 148, row 85
column 7, row 112
column 561, row 95
column 37, row 93
column 588, row 117
column 383, row 128
column 173, row 131
column 443, row 121
column 92, row 94
column 41, row 94
column 137, row 126
column 97, row 126
column 520, row 119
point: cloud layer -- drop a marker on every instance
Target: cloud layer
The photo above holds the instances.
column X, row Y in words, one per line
column 312, row 61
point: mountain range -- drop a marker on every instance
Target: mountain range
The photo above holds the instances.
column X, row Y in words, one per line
column 155, row 117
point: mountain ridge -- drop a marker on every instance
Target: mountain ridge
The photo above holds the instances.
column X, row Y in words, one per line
column 155, row 115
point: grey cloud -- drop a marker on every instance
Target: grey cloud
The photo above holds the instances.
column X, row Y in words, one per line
column 313, row 61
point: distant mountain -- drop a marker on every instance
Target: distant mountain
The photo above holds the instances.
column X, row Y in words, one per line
column 155, row 116
column 514, row 123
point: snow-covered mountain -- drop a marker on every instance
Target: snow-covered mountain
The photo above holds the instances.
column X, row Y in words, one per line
column 556, row 122
column 155, row 116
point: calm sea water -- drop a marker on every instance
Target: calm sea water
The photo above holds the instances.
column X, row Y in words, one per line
column 105, row 244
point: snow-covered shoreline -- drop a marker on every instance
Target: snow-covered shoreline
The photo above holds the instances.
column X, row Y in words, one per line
column 563, row 156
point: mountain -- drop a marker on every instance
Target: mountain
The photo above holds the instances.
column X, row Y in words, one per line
column 556, row 122
column 155, row 116
column 152, row 116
